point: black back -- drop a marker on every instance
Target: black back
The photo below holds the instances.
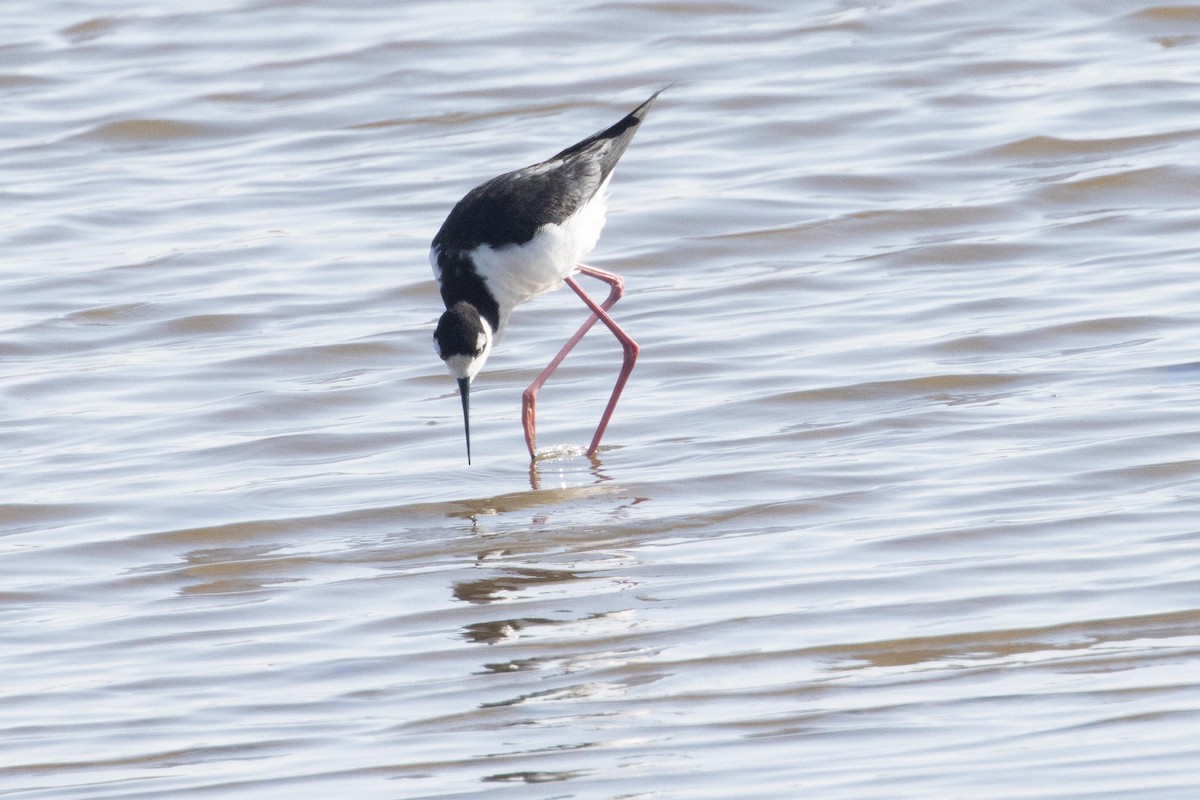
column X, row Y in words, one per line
column 511, row 207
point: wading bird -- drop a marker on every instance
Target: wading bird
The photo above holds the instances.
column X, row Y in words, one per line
column 518, row 235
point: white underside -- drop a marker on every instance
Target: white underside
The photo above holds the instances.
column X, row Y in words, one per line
column 515, row 273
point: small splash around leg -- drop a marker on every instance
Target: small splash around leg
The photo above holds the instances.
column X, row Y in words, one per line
column 559, row 453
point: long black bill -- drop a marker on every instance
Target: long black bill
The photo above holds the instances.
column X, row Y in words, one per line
column 464, row 389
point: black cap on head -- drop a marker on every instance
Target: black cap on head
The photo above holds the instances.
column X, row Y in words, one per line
column 459, row 332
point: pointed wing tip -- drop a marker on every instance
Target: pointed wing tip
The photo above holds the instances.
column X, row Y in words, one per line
column 642, row 108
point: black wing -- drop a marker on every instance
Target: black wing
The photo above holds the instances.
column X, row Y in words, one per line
column 511, row 207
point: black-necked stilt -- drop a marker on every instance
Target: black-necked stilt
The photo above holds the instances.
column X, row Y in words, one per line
column 516, row 236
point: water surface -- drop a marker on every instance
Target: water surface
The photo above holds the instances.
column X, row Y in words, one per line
column 901, row 499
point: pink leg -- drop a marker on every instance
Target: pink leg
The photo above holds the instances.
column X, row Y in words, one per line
column 599, row 313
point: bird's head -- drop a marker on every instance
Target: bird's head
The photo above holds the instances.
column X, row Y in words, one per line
column 463, row 340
